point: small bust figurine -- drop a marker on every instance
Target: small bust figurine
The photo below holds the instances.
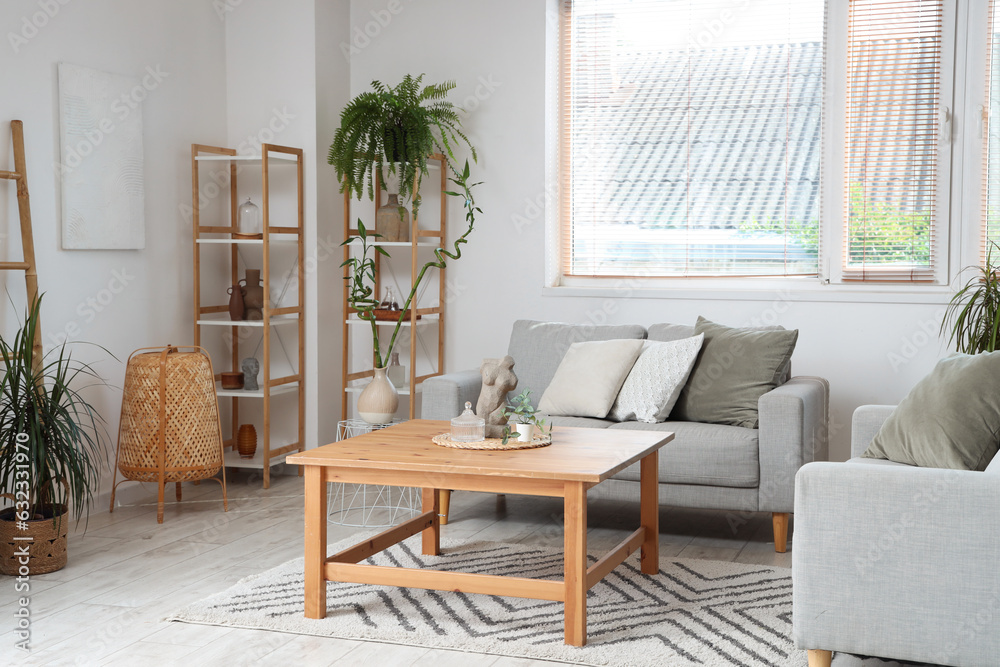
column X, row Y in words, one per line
column 250, row 369
column 498, row 379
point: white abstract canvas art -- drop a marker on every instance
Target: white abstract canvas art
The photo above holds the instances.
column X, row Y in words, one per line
column 100, row 122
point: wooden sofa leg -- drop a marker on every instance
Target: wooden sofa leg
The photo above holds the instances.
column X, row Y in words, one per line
column 444, row 504
column 780, row 523
column 820, row 658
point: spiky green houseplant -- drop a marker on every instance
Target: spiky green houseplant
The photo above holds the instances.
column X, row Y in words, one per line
column 973, row 313
column 51, row 438
column 399, row 126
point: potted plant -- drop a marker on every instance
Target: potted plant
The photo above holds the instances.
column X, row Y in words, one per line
column 525, row 418
column 973, row 313
column 51, row 451
column 399, row 128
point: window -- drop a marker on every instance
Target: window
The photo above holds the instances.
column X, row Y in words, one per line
column 693, row 134
column 891, row 162
column 991, row 136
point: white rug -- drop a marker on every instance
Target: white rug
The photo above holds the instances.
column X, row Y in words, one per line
column 694, row 612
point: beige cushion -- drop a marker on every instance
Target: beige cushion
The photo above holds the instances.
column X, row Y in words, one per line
column 735, row 368
column 951, row 419
column 589, row 377
column 656, row 380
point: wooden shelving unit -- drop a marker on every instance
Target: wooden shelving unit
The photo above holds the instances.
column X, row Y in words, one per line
column 214, row 319
column 429, row 316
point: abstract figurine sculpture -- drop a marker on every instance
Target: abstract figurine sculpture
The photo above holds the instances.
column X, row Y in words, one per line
column 498, row 379
column 250, row 369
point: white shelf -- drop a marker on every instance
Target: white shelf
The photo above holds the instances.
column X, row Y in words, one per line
column 396, row 244
column 284, row 239
column 432, row 318
column 402, row 391
column 285, row 157
column 280, row 319
column 243, row 393
column 233, row 459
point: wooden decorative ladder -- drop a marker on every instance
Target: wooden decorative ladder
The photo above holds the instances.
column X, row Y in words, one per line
column 20, row 176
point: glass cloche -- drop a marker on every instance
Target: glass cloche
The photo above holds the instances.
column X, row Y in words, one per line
column 467, row 427
column 250, row 226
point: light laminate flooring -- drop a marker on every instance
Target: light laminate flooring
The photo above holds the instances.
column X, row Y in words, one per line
column 126, row 573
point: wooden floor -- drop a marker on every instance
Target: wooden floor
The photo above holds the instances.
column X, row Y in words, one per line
column 126, row 573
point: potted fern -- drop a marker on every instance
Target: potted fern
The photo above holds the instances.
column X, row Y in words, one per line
column 383, row 132
column 973, row 313
column 51, row 451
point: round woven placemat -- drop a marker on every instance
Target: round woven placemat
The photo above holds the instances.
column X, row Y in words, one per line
column 494, row 444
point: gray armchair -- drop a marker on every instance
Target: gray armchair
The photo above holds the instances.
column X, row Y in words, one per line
column 896, row 561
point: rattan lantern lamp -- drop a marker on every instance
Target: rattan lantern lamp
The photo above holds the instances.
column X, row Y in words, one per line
column 170, row 429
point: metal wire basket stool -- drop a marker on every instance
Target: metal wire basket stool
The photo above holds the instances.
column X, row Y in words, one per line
column 169, row 429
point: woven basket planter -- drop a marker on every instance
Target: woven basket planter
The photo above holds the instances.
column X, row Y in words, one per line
column 169, row 430
column 44, row 538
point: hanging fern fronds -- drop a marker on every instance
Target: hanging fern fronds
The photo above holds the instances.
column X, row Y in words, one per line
column 403, row 126
column 973, row 314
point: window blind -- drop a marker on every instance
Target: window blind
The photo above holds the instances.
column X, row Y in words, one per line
column 691, row 137
column 891, row 170
column 991, row 137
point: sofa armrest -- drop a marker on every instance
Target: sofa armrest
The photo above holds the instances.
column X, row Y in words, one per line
column 865, row 423
column 793, row 422
column 444, row 396
column 897, row 561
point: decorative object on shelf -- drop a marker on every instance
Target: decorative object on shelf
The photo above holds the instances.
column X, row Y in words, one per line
column 526, row 422
column 250, row 368
column 232, row 380
column 379, row 401
column 396, row 371
column 392, row 221
column 236, row 307
column 467, row 427
column 170, row 430
column 498, row 381
column 389, row 300
column 246, row 441
column 975, row 310
column 253, row 296
column 250, row 225
column 398, row 127
column 494, row 444
column 52, row 448
column 393, row 315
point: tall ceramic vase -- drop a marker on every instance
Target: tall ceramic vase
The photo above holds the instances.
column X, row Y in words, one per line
column 378, row 401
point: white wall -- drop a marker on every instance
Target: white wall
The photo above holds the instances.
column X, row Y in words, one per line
column 185, row 38
column 872, row 352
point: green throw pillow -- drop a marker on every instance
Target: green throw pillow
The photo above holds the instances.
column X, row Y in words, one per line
column 951, row 419
column 735, row 368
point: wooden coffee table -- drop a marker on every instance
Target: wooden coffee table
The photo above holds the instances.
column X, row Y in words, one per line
column 403, row 455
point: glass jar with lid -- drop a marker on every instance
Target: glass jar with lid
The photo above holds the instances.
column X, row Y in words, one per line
column 249, row 224
column 467, row 427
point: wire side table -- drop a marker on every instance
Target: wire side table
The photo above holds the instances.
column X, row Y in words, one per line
column 369, row 505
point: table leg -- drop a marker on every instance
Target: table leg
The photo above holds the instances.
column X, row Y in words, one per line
column 649, row 513
column 575, row 576
column 430, row 500
column 315, row 540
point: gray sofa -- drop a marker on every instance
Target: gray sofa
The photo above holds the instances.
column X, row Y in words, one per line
column 706, row 465
column 896, row 561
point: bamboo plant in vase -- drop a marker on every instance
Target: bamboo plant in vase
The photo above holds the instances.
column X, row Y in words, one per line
column 384, row 132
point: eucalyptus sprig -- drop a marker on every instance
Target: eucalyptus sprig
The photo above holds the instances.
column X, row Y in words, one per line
column 360, row 275
column 522, row 411
column 973, row 313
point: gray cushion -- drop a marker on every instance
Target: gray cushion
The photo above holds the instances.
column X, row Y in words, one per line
column 538, row 348
column 951, row 419
column 668, row 332
column 735, row 368
column 706, row 454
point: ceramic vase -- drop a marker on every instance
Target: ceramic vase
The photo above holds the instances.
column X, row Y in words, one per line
column 378, row 401
column 246, row 441
column 253, row 296
column 236, row 307
column 392, row 221
column 525, row 432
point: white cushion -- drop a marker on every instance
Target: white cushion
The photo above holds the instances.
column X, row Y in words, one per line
column 655, row 381
column 589, row 377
